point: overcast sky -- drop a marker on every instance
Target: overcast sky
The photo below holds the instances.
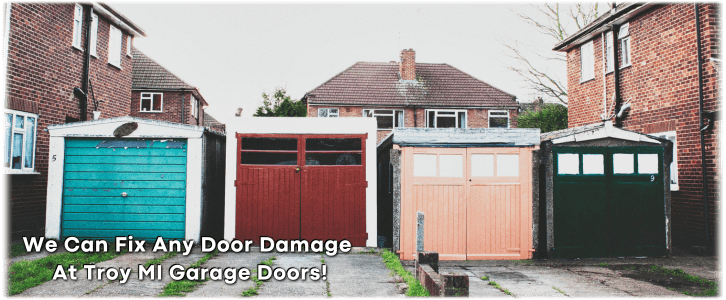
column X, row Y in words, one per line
column 233, row 52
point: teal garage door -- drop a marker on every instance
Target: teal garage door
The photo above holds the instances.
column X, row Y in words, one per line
column 608, row 202
column 121, row 187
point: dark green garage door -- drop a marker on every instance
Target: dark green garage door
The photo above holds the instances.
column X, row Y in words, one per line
column 608, row 202
column 151, row 173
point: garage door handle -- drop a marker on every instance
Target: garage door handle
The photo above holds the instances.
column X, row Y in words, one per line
column 124, row 194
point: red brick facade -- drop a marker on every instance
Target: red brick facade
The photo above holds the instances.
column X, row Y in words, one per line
column 176, row 108
column 42, row 70
column 662, row 87
column 476, row 118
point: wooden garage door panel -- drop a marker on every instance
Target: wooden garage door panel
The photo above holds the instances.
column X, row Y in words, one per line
column 151, row 173
column 444, row 208
column 494, row 222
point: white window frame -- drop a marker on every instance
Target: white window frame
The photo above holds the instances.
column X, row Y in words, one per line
column 94, row 35
column 673, row 137
column 371, row 113
column 609, row 62
column 625, row 45
column 329, row 114
column 194, row 103
column 489, row 116
column 115, row 37
column 456, row 116
column 23, row 169
column 587, row 62
column 150, row 97
column 77, row 27
column 128, row 45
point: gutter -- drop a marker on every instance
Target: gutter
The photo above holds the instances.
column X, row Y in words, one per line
column 86, row 65
column 117, row 19
column 702, row 127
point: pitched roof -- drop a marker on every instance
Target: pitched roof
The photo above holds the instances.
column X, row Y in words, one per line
column 370, row 83
column 209, row 121
column 150, row 75
column 597, row 131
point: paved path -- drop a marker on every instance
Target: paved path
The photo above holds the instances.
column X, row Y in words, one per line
column 359, row 275
column 234, row 260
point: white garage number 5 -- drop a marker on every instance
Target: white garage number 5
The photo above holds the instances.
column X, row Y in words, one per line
column 53, row 158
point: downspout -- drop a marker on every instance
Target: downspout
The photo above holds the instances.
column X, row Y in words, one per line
column 604, row 77
column 86, row 64
column 182, row 107
column 700, row 120
column 616, row 76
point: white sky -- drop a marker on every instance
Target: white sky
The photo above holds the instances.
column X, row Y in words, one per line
column 233, row 52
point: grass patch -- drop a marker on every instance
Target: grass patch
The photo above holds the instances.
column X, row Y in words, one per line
column 181, row 287
column 369, row 251
column 414, row 286
column 27, row 274
column 485, row 278
column 254, row 291
column 17, row 249
column 710, row 287
column 156, row 261
column 603, row 264
column 499, row 287
column 559, row 290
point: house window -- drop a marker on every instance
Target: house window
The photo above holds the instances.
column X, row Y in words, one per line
column 609, row 63
column 498, row 119
column 195, row 107
column 386, row 118
column 328, row 113
column 152, row 102
column 671, row 136
column 94, row 34
column 20, row 132
column 445, row 118
column 128, row 45
column 624, row 36
column 77, row 25
column 114, row 46
column 587, row 62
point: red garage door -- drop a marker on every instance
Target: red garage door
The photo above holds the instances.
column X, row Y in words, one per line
column 301, row 187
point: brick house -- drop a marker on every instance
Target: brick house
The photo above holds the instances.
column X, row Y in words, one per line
column 158, row 94
column 411, row 94
column 655, row 78
column 53, row 49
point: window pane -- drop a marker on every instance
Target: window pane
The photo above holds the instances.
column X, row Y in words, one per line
column 332, row 159
column 399, row 119
column 498, row 122
column 424, row 165
column 157, row 102
column 145, row 104
column 269, row 158
column 593, row 164
column 446, row 113
column 333, row 144
column 269, row 144
column 19, row 121
column 462, row 119
column 647, row 163
column 432, row 116
column 384, row 112
column 445, row 122
column 568, row 163
column 451, row 166
column 482, row 165
column 498, row 113
column 17, row 150
column 322, row 113
column 8, row 130
column 29, row 151
column 385, row 122
column 623, row 163
column 507, row 165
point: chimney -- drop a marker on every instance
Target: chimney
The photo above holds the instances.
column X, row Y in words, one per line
column 407, row 66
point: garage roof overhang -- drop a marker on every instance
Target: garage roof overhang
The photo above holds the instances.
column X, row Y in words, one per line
column 466, row 137
column 596, row 132
column 146, row 129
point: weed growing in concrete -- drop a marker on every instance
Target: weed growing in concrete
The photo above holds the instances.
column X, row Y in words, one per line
column 253, row 291
column 485, row 278
column 369, row 251
column 160, row 259
column 181, row 287
column 394, row 264
column 711, row 287
column 17, row 250
column 559, row 290
column 27, row 274
column 499, row 287
column 603, row 264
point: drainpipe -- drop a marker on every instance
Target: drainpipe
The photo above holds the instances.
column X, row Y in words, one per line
column 616, row 76
column 182, row 107
column 700, row 120
column 86, row 63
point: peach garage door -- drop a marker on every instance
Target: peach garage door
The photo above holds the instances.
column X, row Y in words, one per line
column 476, row 201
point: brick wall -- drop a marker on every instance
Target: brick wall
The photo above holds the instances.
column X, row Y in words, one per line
column 173, row 102
column 476, row 118
column 662, row 87
column 43, row 68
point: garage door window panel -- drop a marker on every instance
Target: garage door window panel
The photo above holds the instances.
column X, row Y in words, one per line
column 333, row 151
column 623, row 163
column 268, row 151
column 568, row 164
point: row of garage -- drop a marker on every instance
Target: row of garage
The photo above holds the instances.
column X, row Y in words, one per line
column 593, row 191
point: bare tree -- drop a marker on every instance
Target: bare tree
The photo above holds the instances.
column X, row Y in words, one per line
column 557, row 23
